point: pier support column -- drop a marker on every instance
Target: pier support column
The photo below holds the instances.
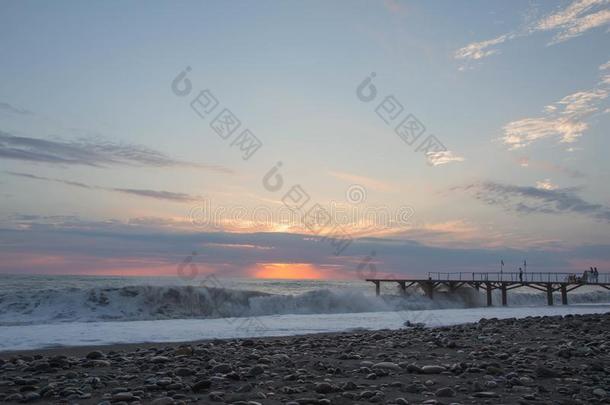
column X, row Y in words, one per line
column 564, row 295
column 377, row 288
column 549, row 293
column 429, row 289
column 488, row 290
column 504, row 298
column 403, row 287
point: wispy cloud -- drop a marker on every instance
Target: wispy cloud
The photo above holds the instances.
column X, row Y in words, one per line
column 570, row 22
column 578, row 18
column 537, row 200
column 480, row 50
column 4, row 106
column 159, row 195
column 525, row 161
column 443, row 158
column 74, row 246
column 89, row 152
column 365, row 181
column 154, row 194
column 565, row 120
column 35, row 177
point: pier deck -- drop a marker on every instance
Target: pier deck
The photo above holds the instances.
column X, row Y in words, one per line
column 545, row 282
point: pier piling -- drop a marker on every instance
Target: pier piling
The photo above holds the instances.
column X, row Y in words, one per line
column 403, row 287
column 549, row 293
column 488, row 290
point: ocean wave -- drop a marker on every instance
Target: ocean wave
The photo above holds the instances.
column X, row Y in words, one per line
column 145, row 302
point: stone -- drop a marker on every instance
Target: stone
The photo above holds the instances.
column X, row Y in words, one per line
column 222, row 368
column 324, row 388
column 95, row 355
column 100, row 363
column 123, row 396
column 433, row 369
column 387, row 365
column 485, row 394
column 256, row 370
column 163, row 401
column 445, row 392
column 349, row 386
column 183, row 372
column 545, row 372
column 184, row 351
column 201, row 385
column 216, row 396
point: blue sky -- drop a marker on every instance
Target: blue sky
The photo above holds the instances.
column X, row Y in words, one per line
column 95, row 145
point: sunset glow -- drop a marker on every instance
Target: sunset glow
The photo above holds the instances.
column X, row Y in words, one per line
column 292, row 271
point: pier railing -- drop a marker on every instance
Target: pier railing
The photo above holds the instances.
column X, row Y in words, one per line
column 532, row 277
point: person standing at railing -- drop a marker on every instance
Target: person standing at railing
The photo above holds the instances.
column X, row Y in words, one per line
column 520, row 274
column 585, row 276
column 595, row 275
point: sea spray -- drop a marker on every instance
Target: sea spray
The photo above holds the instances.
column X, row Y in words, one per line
column 150, row 302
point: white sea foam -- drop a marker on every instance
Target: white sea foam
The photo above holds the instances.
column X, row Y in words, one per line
column 26, row 337
column 89, row 303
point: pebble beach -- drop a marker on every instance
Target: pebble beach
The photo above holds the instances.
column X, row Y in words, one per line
column 534, row 360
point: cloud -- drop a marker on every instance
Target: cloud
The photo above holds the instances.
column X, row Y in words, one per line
column 525, row 161
column 34, row 177
column 443, row 158
column 480, row 50
column 155, row 194
column 159, row 195
column 572, row 21
column 89, row 152
column 565, row 120
column 14, row 109
column 575, row 20
column 49, row 246
column 368, row 182
column 537, row 200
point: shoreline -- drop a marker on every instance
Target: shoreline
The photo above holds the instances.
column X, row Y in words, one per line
column 62, row 336
column 529, row 360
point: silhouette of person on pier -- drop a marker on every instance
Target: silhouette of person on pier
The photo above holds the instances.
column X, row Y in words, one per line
column 520, row 274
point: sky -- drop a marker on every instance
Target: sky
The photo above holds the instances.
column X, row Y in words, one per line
column 284, row 139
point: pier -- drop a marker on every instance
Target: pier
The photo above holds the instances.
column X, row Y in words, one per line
column 548, row 283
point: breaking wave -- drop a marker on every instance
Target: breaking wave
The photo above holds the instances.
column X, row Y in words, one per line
column 182, row 302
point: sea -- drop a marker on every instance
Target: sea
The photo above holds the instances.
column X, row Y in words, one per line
column 39, row 312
